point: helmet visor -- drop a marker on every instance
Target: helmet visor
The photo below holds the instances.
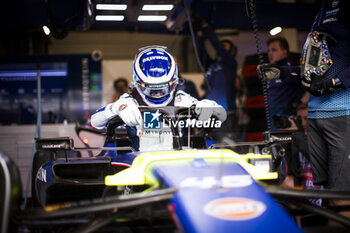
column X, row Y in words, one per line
column 156, row 91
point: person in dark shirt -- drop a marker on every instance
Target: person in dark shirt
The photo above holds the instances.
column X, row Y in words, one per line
column 282, row 93
column 329, row 104
column 299, row 166
column 221, row 71
column 286, row 92
column 221, row 76
column 120, row 86
column 328, row 123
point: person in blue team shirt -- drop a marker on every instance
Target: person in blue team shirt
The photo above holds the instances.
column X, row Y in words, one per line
column 329, row 104
column 221, row 75
column 221, row 71
column 155, row 83
column 282, row 93
column 328, row 123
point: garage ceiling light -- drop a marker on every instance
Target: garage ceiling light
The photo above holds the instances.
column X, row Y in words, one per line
column 159, row 7
column 46, row 30
column 117, row 7
column 275, row 31
column 152, row 18
column 109, row 17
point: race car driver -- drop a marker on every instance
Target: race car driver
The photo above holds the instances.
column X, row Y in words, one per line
column 155, row 80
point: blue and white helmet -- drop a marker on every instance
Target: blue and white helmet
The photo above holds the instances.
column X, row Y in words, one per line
column 155, row 75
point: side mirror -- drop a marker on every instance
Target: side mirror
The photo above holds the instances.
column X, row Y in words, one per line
column 90, row 137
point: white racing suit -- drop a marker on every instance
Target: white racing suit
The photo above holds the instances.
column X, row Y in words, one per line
column 161, row 139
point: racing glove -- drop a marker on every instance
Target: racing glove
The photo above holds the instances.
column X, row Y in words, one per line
column 207, row 108
column 318, row 85
column 270, row 71
column 127, row 109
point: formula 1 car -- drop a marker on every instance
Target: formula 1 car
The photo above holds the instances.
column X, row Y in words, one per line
column 184, row 189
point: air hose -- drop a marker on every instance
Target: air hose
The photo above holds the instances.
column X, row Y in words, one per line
column 251, row 12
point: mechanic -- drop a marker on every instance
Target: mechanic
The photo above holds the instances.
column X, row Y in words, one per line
column 328, row 123
column 121, row 86
column 329, row 105
column 155, row 81
column 299, row 168
column 221, row 75
column 282, row 94
column 301, row 150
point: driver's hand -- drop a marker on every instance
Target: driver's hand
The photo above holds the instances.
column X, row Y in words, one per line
column 207, row 108
column 127, row 109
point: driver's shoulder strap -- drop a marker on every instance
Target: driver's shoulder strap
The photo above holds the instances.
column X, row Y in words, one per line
column 137, row 97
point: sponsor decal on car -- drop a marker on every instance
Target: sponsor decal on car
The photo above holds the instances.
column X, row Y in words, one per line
column 234, row 208
column 41, row 175
column 207, row 182
column 52, row 146
column 120, row 164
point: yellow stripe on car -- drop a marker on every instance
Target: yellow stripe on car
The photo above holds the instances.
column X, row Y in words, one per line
column 139, row 173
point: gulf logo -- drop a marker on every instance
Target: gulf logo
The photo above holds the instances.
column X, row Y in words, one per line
column 234, row 209
column 122, row 107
